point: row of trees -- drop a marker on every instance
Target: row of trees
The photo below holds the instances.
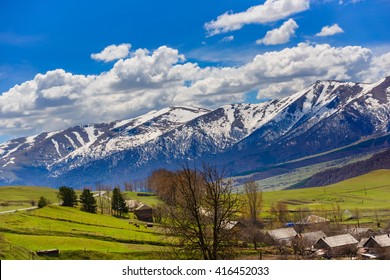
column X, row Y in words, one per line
column 68, row 197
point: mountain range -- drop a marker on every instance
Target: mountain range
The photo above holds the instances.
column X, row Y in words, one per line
column 327, row 118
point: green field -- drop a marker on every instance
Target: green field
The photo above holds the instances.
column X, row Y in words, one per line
column 81, row 235
column 368, row 195
column 17, row 197
column 148, row 200
column 70, row 229
column 368, row 191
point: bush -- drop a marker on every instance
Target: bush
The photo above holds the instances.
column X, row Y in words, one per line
column 42, row 202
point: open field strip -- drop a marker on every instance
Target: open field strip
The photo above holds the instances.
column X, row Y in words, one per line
column 17, row 197
column 69, row 229
column 369, row 191
column 71, row 222
column 39, row 242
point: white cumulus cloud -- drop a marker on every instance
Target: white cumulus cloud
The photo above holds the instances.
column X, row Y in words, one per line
column 330, row 30
column 280, row 35
column 149, row 80
column 112, row 52
column 270, row 11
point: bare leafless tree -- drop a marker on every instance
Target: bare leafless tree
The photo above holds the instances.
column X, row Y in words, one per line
column 252, row 233
column 129, row 186
column 280, row 211
column 161, row 182
column 200, row 215
column 103, row 198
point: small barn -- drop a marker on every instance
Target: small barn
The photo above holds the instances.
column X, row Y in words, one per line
column 282, row 235
column 379, row 245
column 49, row 253
column 338, row 245
column 144, row 213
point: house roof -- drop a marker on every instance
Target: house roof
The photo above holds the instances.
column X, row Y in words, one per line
column 360, row 230
column 282, row 233
column 382, row 240
column 339, row 240
column 143, row 207
column 228, row 225
column 312, row 219
column 132, row 203
column 313, row 236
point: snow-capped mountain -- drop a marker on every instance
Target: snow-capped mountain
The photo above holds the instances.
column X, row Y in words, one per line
column 325, row 116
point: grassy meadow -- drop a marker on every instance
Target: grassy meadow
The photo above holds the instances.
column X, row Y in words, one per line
column 81, row 235
column 368, row 195
column 77, row 234
column 368, row 191
column 17, row 197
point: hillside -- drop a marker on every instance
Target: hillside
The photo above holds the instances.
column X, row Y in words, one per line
column 17, row 197
column 366, row 192
column 334, row 175
column 77, row 234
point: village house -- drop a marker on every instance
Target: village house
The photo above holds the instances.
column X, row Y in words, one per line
column 378, row 245
column 282, row 236
column 144, row 213
column 338, row 245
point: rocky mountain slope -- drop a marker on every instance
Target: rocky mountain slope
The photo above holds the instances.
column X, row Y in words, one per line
column 243, row 137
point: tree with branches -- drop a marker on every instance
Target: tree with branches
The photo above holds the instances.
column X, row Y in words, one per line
column 254, row 200
column 200, row 214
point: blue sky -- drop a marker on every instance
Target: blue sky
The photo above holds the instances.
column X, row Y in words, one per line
column 64, row 63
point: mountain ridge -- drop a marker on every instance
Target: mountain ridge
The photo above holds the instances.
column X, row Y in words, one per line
column 322, row 117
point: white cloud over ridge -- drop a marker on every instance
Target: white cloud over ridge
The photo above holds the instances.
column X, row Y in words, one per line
column 270, row 11
column 279, row 35
column 330, row 30
column 112, row 52
column 161, row 78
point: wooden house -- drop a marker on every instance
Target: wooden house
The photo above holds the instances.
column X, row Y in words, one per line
column 282, row 235
column 379, row 245
column 338, row 245
column 144, row 213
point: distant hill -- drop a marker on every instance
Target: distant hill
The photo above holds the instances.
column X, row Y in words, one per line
column 335, row 175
